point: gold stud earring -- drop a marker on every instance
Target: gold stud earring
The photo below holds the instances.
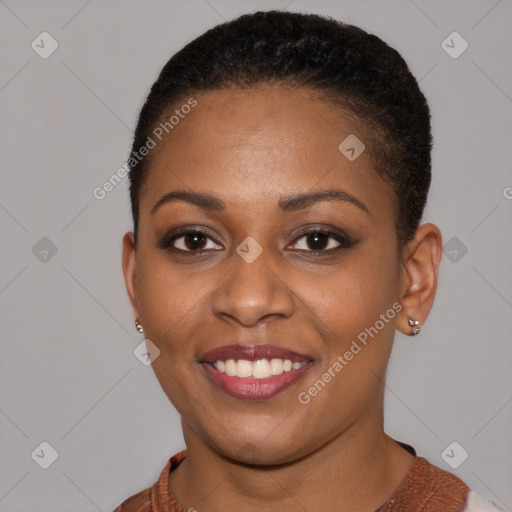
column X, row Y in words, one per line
column 138, row 326
column 414, row 324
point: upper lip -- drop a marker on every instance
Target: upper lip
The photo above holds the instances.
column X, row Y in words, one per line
column 252, row 353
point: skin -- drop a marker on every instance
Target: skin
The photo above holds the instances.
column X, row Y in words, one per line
column 251, row 147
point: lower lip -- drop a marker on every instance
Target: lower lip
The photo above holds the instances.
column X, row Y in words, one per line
column 248, row 388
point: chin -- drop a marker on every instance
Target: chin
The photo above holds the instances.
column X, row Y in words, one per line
column 262, row 452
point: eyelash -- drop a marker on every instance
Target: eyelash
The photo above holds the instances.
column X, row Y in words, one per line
column 344, row 241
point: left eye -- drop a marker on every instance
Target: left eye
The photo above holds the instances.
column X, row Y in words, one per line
column 318, row 239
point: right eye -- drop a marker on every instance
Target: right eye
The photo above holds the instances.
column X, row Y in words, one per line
column 191, row 241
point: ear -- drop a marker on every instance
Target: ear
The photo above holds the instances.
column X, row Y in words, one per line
column 129, row 270
column 421, row 258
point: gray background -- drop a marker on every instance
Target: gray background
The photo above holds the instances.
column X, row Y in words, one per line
column 68, row 375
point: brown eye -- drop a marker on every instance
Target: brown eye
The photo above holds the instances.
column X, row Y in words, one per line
column 322, row 241
column 194, row 241
column 189, row 241
column 318, row 240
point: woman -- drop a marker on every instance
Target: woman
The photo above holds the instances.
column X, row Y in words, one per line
column 279, row 172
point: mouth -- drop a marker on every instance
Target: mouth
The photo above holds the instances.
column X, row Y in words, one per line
column 254, row 372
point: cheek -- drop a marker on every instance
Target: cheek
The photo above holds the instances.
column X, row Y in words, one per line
column 353, row 298
column 356, row 319
column 170, row 300
column 172, row 305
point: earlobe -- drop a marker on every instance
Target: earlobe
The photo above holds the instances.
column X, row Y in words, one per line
column 414, row 325
column 419, row 278
column 129, row 270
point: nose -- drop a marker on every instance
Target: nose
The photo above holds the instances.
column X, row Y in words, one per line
column 252, row 293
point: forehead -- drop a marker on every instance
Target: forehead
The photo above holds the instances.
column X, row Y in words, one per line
column 252, row 146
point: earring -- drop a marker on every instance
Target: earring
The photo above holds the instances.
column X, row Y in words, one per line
column 414, row 324
column 138, row 326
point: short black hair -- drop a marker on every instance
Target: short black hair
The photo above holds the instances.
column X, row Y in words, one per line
column 349, row 67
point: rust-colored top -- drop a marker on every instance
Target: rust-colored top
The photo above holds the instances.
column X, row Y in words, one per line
column 425, row 488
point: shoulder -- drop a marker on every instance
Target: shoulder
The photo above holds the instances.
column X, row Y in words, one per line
column 158, row 496
column 447, row 492
column 140, row 502
column 431, row 489
column 477, row 503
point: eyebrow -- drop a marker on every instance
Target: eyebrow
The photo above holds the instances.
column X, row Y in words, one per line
column 286, row 204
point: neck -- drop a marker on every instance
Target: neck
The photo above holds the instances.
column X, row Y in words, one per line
column 356, row 471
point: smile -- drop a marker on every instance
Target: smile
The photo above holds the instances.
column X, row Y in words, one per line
column 254, row 372
column 260, row 369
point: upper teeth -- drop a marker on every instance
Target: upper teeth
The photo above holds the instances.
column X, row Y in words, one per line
column 260, row 369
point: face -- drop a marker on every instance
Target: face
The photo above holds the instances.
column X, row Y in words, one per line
column 271, row 280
